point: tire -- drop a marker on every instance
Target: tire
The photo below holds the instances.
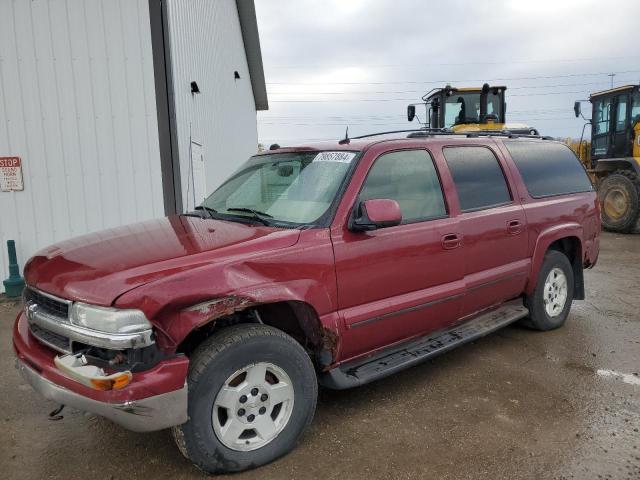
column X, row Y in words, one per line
column 215, row 364
column 619, row 195
column 540, row 316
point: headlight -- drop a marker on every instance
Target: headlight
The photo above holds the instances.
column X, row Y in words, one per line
column 110, row 320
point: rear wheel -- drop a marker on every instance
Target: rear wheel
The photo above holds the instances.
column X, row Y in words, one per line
column 252, row 394
column 550, row 302
column 619, row 198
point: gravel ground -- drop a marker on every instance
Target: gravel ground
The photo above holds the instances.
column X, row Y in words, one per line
column 515, row 405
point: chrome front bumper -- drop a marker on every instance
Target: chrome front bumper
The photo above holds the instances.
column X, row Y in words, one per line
column 145, row 415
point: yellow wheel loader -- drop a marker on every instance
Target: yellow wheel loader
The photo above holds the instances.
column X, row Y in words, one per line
column 613, row 156
column 468, row 110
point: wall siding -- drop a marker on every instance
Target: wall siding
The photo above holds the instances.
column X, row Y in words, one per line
column 207, row 47
column 77, row 103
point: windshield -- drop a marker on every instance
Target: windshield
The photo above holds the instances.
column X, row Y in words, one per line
column 294, row 187
column 464, row 107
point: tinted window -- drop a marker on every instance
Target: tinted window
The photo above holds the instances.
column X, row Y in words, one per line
column 548, row 168
column 408, row 177
column 478, row 177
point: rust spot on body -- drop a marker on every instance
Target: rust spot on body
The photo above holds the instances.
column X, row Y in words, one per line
column 220, row 307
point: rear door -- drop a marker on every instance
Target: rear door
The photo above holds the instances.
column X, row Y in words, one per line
column 397, row 282
column 493, row 224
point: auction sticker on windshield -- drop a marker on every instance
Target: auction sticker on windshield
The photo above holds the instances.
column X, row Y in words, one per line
column 341, row 157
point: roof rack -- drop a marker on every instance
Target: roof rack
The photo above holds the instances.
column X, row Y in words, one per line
column 486, row 133
column 346, row 140
column 399, row 131
column 428, row 132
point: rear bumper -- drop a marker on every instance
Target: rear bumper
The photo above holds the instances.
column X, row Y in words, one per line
column 155, row 399
column 144, row 415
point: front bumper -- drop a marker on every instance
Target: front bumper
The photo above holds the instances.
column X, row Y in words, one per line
column 144, row 415
column 155, row 399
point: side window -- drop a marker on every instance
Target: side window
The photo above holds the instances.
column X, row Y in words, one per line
column 621, row 114
column 635, row 109
column 410, row 178
column 548, row 168
column 478, row 177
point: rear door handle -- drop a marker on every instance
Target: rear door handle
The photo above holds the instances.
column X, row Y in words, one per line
column 451, row 241
column 514, row 227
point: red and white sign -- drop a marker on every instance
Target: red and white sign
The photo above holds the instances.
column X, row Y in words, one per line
column 11, row 174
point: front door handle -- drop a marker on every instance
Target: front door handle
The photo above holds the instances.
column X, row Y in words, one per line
column 451, row 241
column 514, row 227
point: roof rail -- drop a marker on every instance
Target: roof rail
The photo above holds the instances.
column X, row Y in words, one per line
column 427, row 132
column 425, row 129
column 481, row 133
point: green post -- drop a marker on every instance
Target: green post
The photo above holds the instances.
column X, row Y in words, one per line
column 13, row 285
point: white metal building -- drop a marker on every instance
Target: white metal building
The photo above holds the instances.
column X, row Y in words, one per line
column 121, row 110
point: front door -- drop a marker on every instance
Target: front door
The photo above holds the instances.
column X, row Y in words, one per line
column 621, row 128
column 601, row 136
column 398, row 282
column 493, row 225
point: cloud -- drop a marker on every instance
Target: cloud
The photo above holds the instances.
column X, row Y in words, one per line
column 334, row 63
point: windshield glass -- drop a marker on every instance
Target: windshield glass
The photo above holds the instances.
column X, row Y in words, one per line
column 464, row 107
column 283, row 187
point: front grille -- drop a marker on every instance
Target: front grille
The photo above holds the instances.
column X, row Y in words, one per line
column 46, row 303
column 53, row 340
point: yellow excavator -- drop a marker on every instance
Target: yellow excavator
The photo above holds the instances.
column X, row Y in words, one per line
column 468, row 110
column 612, row 158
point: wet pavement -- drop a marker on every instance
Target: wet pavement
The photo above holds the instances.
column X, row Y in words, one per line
column 515, row 405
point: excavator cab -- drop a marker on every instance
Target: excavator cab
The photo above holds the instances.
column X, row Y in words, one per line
column 615, row 115
column 451, row 107
column 468, row 110
column 613, row 158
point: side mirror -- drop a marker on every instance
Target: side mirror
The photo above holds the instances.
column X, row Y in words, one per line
column 577, row 109
column 411, row 112
column 378, row 213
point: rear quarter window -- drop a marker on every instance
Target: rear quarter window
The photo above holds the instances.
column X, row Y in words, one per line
column 548, row 169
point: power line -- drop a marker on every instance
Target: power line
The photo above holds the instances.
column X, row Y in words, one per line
column 422, row 91
column 374, row 121
column 263, row 116
column 431, row 64
column 572, row 75
column 352, row 100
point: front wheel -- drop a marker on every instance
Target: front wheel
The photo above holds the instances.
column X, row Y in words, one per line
column 620, row 203
column 252, row 394
column 550, row 302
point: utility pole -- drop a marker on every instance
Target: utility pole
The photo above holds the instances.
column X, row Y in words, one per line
column 611, row 75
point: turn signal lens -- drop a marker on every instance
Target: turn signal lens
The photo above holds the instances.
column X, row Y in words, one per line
column 114, row 383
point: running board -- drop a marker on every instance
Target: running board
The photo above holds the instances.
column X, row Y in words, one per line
column 399, row 357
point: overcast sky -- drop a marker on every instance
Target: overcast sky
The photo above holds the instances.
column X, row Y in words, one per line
column 333, row 63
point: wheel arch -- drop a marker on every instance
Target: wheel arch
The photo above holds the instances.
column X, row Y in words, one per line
column 296, row 318
column 567, row 239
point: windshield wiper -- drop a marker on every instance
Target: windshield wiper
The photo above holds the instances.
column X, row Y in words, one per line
column 262, row 217
column 210, row 211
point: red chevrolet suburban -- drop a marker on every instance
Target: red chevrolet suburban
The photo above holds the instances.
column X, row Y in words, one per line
column 334, row 264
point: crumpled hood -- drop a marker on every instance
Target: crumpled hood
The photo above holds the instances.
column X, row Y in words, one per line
column 98, row 267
